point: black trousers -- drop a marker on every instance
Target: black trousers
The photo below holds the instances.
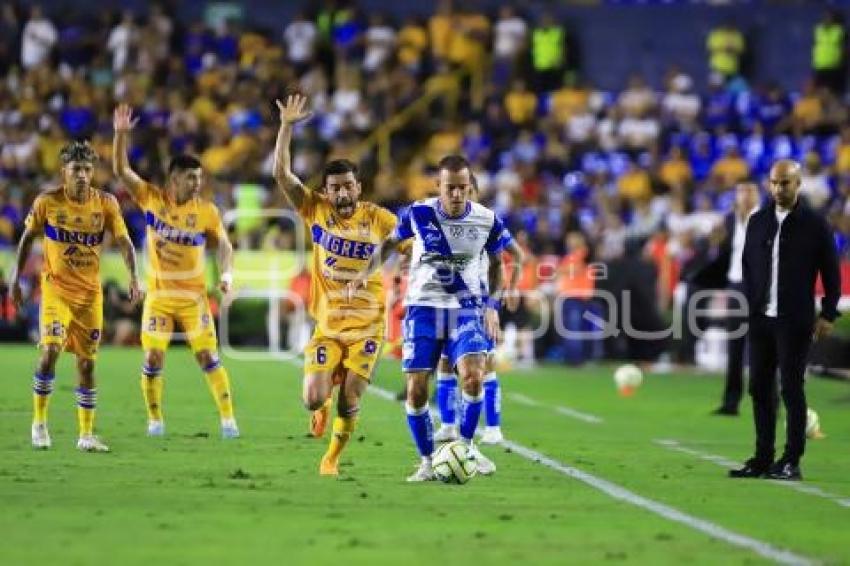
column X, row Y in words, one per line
column 777, row 343
column 735, row 347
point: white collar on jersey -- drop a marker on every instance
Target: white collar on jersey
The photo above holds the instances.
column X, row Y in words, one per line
column 447, row 216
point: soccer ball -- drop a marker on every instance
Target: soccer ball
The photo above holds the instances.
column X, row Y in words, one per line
column 452, row 464
column 628, row 378
column 813, row 425
column 813, row 430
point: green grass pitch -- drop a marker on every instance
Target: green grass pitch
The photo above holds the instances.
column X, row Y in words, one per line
column 191, row 498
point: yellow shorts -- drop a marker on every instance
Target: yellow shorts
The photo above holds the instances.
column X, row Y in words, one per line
column 333, row 354
column 162, row 312
column 76, row 327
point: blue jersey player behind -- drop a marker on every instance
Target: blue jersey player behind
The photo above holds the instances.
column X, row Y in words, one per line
column 444, row 302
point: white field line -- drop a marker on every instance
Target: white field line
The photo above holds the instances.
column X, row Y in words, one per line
column 561, row 410
column 586, row 417
column 675, row 445
column 713, row 530
column 523, row 399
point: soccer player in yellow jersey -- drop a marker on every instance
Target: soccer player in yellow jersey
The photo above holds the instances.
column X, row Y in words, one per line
column 179, row 226
column 349, row 330
column 73, row 219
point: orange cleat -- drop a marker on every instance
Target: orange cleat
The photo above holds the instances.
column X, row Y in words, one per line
column 319, row 420
column 329, row 466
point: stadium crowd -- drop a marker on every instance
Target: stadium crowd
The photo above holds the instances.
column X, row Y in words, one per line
column 579, row 174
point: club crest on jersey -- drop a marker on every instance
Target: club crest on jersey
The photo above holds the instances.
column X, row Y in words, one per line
column 61, row 217
column 363, row 228
column 78, row 220
column 191, row 220
column 472, row 233
column 96, row 219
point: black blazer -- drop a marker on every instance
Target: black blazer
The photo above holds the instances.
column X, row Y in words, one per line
column 806, row 248
column 713, row 273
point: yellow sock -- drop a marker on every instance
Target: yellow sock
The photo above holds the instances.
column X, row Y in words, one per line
column 220, row 388
column 42, row 387
column 86, row 402
column 343, row 427
column 152, row 392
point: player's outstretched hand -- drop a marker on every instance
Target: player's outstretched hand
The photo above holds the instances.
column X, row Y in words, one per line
column 122, row 119
column 225, row 286
column 352, row 288
column 293, row 109
column 491, row 324
column 135, row 291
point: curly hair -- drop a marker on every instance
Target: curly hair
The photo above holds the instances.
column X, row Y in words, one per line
column 77, row 151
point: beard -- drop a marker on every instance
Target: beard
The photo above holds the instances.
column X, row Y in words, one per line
column 344, row 205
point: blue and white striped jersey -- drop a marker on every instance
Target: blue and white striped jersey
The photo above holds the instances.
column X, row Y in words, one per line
column 446, row 262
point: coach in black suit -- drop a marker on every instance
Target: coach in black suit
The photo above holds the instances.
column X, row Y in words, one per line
column 787, row 245
column 725, row 271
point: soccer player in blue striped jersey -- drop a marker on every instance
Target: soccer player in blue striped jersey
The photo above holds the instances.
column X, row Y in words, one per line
column 444, row 301
column 448, row 401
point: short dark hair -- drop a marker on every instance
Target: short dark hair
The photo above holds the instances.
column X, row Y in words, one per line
column 77, row 151
column 338, row 167
column 454, row 163
column 183, row 162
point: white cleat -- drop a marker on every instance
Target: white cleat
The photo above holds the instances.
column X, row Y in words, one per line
column 40, row 436
column 486, row 467
column 446, row 433
column 425, row 472
column 492, row 435
column 156, row 428
column 91, row 443
column 229, row 428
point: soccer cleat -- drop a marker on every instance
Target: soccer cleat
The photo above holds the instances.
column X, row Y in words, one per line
column 447, row 433
column 229, row 428
column 425, row 472
column 156, row 428
column 90, row 443
column 329, row 466
column 319, row 420
column 40, row 436
column 492, row 435
column 486, row 467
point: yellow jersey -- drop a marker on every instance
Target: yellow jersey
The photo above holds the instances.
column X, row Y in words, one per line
column 176, row 240
column 342, row 248
column 73, row 238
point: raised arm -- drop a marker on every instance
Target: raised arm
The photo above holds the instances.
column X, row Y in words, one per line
column 291, row 112
column 123, row 122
